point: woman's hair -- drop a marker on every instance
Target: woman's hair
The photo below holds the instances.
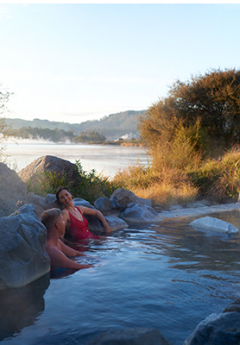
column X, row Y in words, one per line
column 58, row 191
column 49, row 218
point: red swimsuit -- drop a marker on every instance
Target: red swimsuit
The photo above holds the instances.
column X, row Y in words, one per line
column 78, row 229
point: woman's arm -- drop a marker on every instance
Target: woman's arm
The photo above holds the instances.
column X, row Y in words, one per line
column 98, row 214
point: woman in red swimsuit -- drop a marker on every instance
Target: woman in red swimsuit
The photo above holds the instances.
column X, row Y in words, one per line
column 77, row 224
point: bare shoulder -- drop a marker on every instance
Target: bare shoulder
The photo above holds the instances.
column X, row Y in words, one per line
column 65, row 214
column 87, row 210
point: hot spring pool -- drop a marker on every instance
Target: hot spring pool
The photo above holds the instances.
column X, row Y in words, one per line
column 167, row 276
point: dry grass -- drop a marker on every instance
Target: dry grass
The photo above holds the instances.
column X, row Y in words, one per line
column 165, row 188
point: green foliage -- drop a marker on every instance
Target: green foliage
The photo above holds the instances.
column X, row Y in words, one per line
column 47, row 183
column 4, row 127
column 92, row 137
column 55, row 135
column 212, row 99
column 88, row 186
column 93, row 186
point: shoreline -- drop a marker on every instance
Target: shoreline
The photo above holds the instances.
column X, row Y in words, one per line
column 181, row 212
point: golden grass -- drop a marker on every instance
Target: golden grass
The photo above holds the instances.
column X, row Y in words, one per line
column 165, row 188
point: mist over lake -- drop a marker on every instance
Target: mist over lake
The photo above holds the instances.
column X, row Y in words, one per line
column 107, row 159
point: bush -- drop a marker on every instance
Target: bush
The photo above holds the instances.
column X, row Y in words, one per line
column 88, row 186
column 219, row 179
column 212, row 99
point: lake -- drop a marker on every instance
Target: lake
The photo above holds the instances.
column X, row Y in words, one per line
column 166, row 276
column 107, row 159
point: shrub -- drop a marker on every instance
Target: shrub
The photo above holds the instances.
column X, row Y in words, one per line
column 88, row 186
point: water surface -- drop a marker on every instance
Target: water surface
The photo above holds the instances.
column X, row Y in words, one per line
column 106, row 159
column 166, row 276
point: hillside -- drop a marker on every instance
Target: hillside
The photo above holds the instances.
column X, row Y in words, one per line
column 112, row 126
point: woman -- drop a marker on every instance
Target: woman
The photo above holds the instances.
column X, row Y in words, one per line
column 77, row 224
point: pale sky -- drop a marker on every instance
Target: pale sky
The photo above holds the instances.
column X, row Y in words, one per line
column 78, row 62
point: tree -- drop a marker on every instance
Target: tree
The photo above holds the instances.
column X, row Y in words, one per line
column 212, row 99
column 4, row 128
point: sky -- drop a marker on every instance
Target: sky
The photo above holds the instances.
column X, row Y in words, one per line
column 78, row 62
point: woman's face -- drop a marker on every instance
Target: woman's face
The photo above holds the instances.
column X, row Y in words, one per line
column 65, row 197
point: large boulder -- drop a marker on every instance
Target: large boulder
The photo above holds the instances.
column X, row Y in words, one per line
column 217, row 329
column 22, row 254
column 49, row 164
column 95, row 225
column 214, row 224
column 13, row 190
column 105, row 205
column 137, row 213
column 125, row 197
column 131, row 336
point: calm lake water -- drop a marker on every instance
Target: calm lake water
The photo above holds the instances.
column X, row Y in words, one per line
column 166, row 276
column 107, row 159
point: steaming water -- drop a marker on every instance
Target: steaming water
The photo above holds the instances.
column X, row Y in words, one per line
column 107, row 159
column 166, row 276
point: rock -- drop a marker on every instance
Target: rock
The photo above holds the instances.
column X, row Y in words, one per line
column 124, row 197
column 95, row 225
column 49, row 164
column 37, row 200
column 22, row 254
column 50, row 199
column 175, row 207
column 145, row 202
column 194, row 205
column 81, row 202
column 217, row 329
column 214, row 224
column 234, row 306
column 105, row 205
column 131, row 336
column 135, row 213
column 13, row 190
column 116, row 223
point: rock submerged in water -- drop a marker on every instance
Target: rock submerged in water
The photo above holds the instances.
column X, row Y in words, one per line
column 214, row 224
column 134, row 336
column 217, row 329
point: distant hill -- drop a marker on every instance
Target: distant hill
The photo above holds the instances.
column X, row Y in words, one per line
column 112, row 126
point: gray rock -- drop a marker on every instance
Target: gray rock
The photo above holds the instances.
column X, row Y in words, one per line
column 131, row 336
column 124, row 197
column 51, row 198
column 196, row 204
column 214, row 224
column 105, row 205
column 95, row 225
column 37, row 200
column 49, row 164
column 146, row 202
column 13, row 190
column 217, row 329
column 22, row 254
column 116, row 223
column 175, row 207
column 135, row 213
column 81, row 202
column 234, row 306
